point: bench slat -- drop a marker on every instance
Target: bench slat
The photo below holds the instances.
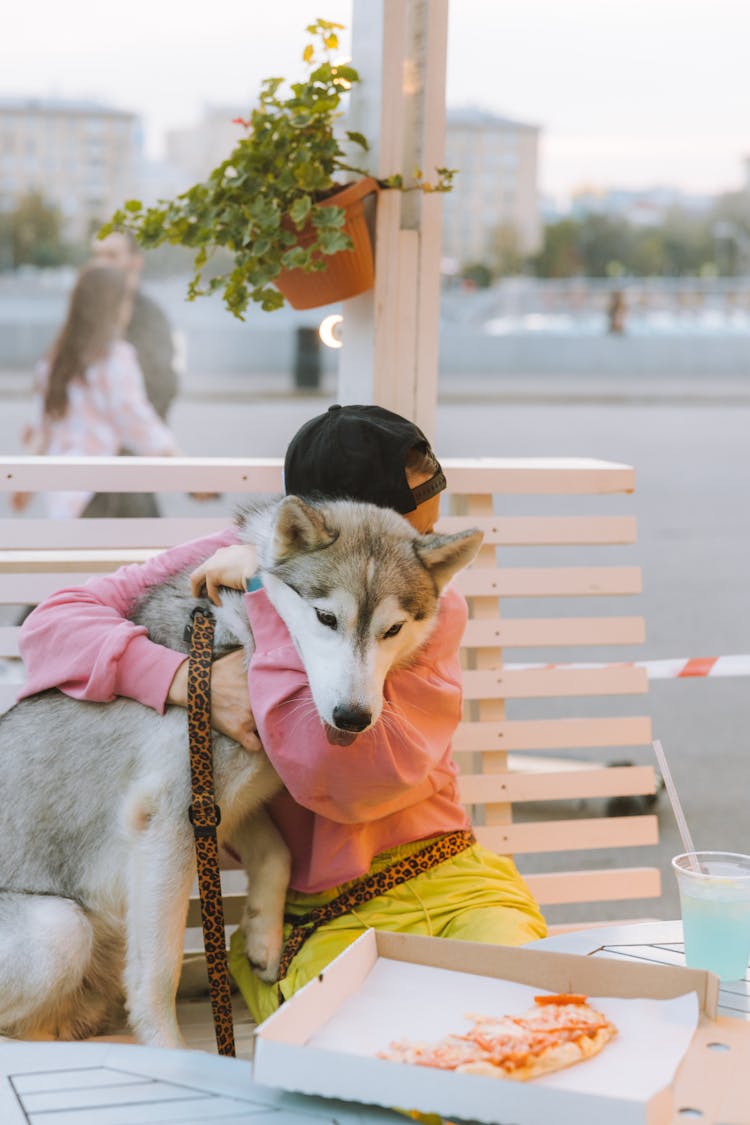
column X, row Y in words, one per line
column 542, row 582
column 482, row 582
column 549, row 582
column 513, row 633
column 167, row 531
column 557, row 785
column 540, row 632
column 538, row 477
column 538, row 531
column 570, row 835
column 141, row 474
column 554, row 888
column 553, row 734
column 537, row 683
column 523, row 476
column 62, row 561
column 611, row 885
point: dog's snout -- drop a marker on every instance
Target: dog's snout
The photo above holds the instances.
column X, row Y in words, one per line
column 352, row 718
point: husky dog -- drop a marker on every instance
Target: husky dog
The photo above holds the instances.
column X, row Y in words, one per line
column 96, row 851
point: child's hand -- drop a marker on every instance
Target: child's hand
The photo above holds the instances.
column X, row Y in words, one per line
column 229, row 566
column 230, row 702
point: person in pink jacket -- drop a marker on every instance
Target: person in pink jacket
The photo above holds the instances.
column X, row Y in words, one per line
column 376, row 830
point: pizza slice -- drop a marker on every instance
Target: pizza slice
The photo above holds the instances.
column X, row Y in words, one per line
column 559, row 1031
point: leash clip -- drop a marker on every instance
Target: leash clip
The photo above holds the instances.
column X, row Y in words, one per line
column 187, row 635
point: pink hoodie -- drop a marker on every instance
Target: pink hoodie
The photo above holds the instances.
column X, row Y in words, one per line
column 343, row 805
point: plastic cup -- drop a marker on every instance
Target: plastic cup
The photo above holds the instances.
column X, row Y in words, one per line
column 715, row 900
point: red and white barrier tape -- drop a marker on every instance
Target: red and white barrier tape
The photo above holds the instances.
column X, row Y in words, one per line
column 671, row 669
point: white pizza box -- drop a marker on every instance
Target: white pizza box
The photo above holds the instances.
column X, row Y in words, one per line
column 388, row 986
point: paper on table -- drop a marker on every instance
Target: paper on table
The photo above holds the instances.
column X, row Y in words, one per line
column 421, row 1002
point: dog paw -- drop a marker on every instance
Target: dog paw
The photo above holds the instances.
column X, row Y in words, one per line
column 263, row 947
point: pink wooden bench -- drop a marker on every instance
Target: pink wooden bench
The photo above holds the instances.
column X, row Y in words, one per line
column 527, row 734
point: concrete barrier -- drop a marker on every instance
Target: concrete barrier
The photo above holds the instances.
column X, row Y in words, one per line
column 31, row 313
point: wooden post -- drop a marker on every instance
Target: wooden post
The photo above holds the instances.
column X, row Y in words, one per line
column 390, row 352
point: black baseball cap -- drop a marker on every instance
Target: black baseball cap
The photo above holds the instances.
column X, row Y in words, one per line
column 358, row 453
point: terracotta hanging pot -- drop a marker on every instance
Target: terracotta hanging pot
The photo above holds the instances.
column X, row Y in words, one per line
column 347, row 272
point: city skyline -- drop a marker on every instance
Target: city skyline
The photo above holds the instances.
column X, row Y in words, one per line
column 628, row 94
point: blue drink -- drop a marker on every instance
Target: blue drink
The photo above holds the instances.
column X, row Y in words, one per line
column 715, row 899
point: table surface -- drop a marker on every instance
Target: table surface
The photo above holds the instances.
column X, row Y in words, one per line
column 657, row 942
column 123, row 1084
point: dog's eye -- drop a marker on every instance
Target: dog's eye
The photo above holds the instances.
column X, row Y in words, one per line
column 327, row 619
column 394, row 629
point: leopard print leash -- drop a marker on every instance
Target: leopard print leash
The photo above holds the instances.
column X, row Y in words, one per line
column 370, row 886
column 205, row 816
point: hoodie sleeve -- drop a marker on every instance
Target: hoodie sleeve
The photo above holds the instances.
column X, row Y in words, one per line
column 81, row 641
column 401, row 761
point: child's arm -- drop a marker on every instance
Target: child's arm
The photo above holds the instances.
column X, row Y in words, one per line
column 229, row 566
column 81, row 640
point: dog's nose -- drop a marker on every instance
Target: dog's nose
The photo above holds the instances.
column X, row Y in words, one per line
column 352, row 718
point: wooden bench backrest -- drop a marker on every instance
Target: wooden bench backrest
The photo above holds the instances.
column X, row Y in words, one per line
column 40, row 556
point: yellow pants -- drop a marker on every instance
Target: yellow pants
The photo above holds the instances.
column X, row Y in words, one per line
column 475, row 896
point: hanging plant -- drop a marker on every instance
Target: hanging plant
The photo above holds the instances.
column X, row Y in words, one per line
column 269, row 203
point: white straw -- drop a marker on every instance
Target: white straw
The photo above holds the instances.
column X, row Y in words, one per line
column 687, row 840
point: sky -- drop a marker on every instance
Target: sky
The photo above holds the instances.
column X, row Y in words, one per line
column 628, row 93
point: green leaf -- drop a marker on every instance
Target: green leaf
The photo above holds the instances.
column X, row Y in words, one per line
column 358, row 139
column 328, row 218
column 347, row 72
column 300, row 210
column 295, row 259
column 332, row 241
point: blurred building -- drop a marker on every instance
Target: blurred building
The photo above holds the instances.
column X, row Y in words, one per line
column 193, row 151
column 639, row 206
column 495, row 193
column 81, row 156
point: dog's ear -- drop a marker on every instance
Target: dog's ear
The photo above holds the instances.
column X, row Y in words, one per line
column 445, row 555
column 299, row 529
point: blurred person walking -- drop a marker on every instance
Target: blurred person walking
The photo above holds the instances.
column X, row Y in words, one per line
column 148, row 328
column 616, row 312
column 91, row 399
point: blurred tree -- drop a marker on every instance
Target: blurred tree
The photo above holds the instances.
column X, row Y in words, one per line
column 648, row 253
column 602, row 242
column 730, row 229
column 560, row 254
column 478, row 273
column 683, row 244
column 35, row 236
column 6, row 242
column 507, row 257
column 735, row 207
column 688, row 243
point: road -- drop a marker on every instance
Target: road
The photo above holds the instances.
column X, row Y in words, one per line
column 689, row 443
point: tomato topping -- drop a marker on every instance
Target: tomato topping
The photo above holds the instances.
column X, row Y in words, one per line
column 561, row 998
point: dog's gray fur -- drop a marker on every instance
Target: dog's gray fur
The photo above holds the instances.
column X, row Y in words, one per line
column 96, row 852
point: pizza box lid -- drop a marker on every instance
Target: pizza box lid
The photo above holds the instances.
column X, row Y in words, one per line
column 312, row 1043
